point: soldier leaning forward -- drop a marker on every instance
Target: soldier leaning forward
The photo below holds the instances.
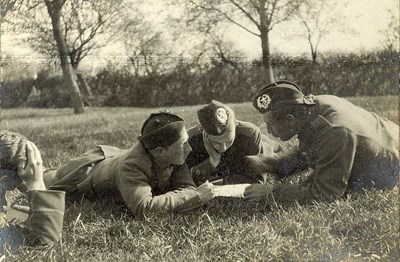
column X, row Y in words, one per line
column 220, row 143
column 347, row 147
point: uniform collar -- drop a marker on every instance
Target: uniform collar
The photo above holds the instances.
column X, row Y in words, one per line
column 142, row 157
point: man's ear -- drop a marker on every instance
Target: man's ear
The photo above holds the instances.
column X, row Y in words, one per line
column 290, row 119
column 159, row 151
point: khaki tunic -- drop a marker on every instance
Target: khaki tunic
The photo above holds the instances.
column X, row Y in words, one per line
column 40, row 223
column 128, row 174
column 348, row 149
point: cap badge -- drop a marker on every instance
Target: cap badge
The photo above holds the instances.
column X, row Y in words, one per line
column 308, row 99
column 221, row 115
column 263, row 101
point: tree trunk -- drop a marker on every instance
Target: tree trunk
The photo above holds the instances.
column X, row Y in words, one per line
column 266, row 56
column 313, row 52
column 54, row 10
column 314, row 57
column 83, row 85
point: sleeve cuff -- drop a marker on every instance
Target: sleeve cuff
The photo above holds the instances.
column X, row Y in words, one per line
column 46, row 215
column 46, row 199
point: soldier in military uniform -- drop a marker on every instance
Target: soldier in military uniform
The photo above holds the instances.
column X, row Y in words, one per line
column 220, row 142
column 21, row 162
column 347, row 147
column 151, row 177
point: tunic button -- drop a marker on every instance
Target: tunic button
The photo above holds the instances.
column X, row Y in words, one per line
column 198, row 172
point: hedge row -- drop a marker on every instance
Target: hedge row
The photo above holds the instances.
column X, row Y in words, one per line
column 188, row 84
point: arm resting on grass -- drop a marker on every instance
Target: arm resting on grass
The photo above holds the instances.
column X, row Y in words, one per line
column 137, row 194
column 332, row 161
column 287, row 165
column 281, row 165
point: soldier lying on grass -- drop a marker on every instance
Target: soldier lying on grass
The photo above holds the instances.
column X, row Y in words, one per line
column 151, row 177
column 220, row 142
column 20, row 161
column 347, row 147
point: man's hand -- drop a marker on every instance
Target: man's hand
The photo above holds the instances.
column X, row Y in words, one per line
column 206, row 191
column 215, row 157
column 31, row 171
column 256, row 192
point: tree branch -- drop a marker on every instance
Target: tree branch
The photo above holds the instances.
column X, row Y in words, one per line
column 247, row 14
column 227, row 17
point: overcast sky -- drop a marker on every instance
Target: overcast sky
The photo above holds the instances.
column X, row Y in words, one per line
column 365, row 19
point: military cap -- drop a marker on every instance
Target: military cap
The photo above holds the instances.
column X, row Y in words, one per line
column 215, row 118
column 161, row 129
column 280, row 94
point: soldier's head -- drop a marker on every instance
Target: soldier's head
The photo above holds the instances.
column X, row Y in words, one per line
column 165, row 137
column 12, row 154
column 284, row 108
column 219, row 124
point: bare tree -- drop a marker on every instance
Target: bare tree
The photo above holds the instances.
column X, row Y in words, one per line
column 392, row 32
column 87, row 26
column 146, row 48
column 54, row 8
column 317, row 18
column 8, row 6
column 225, row 54
column 83, row 26
column 257, row 17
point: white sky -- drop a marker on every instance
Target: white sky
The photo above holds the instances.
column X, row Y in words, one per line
column 364, row 18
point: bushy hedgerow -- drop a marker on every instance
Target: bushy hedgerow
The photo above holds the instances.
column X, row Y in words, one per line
column 365, row 74
column 51, row 93
column 14, row 94
column 343, row 75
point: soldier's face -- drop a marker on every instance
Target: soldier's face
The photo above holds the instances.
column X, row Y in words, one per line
column 221, row 145
column 177, row 152
column 283, row 128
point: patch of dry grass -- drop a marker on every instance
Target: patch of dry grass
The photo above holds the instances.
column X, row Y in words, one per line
column 363, row 227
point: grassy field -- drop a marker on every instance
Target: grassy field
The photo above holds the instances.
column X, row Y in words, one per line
column 363, row 227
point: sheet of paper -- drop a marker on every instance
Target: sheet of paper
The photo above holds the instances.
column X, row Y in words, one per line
column 230, row 190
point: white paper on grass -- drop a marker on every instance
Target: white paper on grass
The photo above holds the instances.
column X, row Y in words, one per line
column 230, row 190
